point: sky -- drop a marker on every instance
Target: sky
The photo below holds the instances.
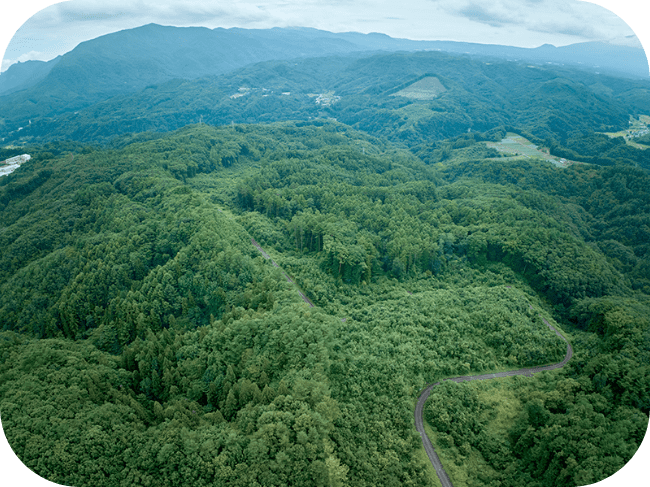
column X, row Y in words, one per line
column 525, row 23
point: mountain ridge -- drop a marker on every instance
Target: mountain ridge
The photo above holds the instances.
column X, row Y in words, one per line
column 168, row 45
column 478, row 95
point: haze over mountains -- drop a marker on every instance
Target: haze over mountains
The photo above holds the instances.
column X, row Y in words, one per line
column 157, row 78
column 154, row 53
column 363, row 93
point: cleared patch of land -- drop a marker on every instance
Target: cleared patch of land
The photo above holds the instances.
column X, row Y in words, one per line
column 503, row 406
column 517, row 146
column 426, row 89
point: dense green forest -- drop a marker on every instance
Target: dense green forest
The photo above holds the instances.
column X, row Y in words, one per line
column 147, row 341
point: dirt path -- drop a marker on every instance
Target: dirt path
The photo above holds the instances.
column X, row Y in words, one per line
column 268, row 257
column 419, row 408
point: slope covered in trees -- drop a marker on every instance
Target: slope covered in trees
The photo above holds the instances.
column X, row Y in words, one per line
column 563, row 108
column 127, row 61
column 147, row 341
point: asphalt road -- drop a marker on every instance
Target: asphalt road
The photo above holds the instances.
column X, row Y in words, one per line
column 424, row 395
column 419, row 408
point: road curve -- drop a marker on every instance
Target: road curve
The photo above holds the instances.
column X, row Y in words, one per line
column 424, row 395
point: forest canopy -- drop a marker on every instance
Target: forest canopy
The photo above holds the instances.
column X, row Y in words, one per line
column 147, row 340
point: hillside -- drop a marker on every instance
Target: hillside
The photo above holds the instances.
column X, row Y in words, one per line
column 141, row 320
column 20, row 76
column 296, row 257
column 484, row 95
column 127, row 61
column 563, row 109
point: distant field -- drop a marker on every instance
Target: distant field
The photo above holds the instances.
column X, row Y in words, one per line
column 637, row 145
column 425, row 89
column 518, row 146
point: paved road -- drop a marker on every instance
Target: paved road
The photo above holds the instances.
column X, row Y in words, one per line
column 419, row 408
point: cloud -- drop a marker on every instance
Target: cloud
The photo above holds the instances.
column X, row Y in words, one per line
column 145, row 11
column 587, row 31
column 582, row 20
column 478, row 13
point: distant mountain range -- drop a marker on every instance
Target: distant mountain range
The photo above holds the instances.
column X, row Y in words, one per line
column 368, row 91
column 20, row 76
column 128, row 60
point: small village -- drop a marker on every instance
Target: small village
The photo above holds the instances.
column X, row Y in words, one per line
column 637, row 133
column 637, row 128
column 324, row 99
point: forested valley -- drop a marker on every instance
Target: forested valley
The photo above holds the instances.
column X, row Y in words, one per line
column 259, row 298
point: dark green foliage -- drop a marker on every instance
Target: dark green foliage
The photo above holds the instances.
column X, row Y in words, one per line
column 148, row 341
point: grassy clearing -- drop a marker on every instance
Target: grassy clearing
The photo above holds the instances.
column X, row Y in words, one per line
column 503, row 405
column 503, row 408
column 518, row 146
column 461, row 469
column 636, row 145
column 425, row 89
column 415, row 111
column 448, row 457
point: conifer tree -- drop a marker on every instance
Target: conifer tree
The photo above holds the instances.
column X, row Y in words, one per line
column 230, row 407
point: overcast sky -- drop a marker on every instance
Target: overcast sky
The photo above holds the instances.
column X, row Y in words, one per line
column 526, row 23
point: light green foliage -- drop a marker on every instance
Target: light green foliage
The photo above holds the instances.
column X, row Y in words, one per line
column 424, row 89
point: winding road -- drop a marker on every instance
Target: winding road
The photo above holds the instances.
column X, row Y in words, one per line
column 424, row 395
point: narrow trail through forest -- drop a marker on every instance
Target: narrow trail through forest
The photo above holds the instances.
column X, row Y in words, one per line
column 424, row 395
column 419, row 408
column 268, row 257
